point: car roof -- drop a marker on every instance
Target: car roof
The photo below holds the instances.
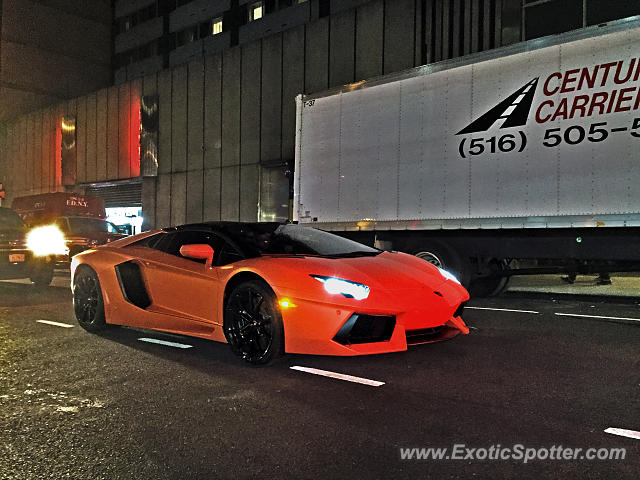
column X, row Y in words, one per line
column 224, row 226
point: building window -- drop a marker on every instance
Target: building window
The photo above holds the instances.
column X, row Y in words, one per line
column 128, row 22
column 547, row 17
column 148, row 50
column 137, row 54
column 124, row 24
column 188, row 35
column 256, row 11
column 216, row 26
column 147, row 14
column 601, row 11
column 288, row 3
column 553, row 16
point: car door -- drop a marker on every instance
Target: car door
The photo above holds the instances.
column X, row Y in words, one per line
column 183, row 290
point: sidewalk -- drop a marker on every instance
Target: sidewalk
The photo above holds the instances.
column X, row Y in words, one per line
column 622, row 285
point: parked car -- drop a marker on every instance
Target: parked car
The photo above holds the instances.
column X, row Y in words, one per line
column 17, row 260
column 85, row 232
column 80, row 218
column 267, row 288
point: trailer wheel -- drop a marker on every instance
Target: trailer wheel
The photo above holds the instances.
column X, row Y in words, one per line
column 490, row 286
column 444, row 257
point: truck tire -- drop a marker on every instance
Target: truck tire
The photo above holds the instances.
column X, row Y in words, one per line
column 41, row 273
column 490, row 286
column 444, row 257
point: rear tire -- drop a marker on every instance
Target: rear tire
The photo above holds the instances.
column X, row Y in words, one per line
column 88, row 304
column 253, row 324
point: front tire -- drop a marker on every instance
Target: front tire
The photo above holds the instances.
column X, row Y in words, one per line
column 253, row 324
column 41, row 273
column 88, row 304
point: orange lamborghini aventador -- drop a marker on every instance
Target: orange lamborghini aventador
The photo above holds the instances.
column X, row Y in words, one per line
column 266, row 289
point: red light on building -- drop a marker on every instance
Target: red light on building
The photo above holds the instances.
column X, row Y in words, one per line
column 134, row 134
column 58, row 156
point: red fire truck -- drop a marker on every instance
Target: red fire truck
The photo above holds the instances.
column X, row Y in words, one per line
column 80, row 218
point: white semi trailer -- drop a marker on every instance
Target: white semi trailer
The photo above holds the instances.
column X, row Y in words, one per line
column 520, row 160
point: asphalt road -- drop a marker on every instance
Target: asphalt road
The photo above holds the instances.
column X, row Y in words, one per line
column 80, row 406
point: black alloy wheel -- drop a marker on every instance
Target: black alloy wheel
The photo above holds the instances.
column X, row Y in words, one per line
column 88, row 304
column 253, row 324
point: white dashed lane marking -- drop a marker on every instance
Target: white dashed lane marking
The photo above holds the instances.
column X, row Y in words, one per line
column 577, row 315
column 501, row 310
column 339, row 376
column 597, row 316
column 165, row 343
column 55, row 324
column 623, row 433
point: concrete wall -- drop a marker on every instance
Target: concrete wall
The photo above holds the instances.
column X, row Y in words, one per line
column 106, row 142
column 226, row 121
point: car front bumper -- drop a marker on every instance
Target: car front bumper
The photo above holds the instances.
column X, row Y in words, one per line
column 14, row 264
column 391, row 322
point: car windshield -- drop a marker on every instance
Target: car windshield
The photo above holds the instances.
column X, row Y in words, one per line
column 83, row 225
column 278, row 239
column 10, row 220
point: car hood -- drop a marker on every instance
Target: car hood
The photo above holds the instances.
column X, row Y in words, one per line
column 390, row 271
column 12, row 239
column 11, row 233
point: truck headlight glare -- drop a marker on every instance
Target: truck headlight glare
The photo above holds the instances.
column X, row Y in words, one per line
column 346, row 288
column 47, row 240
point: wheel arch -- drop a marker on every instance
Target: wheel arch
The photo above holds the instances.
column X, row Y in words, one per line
column 237, row 279
column 79, row 268
column 98, row 323
column 248, row 276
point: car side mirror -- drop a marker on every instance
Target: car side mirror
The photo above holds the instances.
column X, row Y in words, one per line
column 198, row 251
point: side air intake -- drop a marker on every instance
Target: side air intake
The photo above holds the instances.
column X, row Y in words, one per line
column 365, row 329
column 132, row 284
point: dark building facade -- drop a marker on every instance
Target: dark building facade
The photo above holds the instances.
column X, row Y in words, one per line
column 216, row 80
column 52, row 50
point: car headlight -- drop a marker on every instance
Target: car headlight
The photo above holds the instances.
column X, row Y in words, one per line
column 448, row 275
column 346, row 288
column 47, row 240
